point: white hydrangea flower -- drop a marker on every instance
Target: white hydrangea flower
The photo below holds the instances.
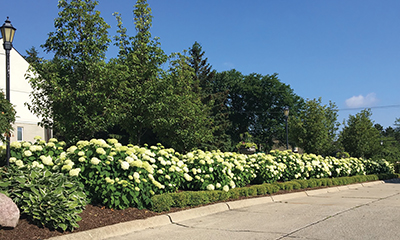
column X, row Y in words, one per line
column 225, row 188
column 95, row 161
column 19, row 163
column 100, row 151
column 47, row 160
column 74, row 172
column 27, row 153
column 124, row 165
column 51, row 144
column 72, row 149
column 112, row 141
column 210, row 187
column 187, row 177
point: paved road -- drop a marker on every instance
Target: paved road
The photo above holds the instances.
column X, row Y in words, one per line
column 360, row 211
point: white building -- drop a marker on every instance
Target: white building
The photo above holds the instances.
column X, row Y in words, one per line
column 26, row 124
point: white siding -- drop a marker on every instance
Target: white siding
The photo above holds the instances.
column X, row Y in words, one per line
column 19, row 95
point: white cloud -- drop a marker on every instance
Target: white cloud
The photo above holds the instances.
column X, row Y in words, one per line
column 361, row 101
column 229, row 65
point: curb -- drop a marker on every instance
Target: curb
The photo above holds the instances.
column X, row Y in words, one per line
column 117, row 229
column 249, row 202
column 197, row 212
column 120, row 229
column 284, row 197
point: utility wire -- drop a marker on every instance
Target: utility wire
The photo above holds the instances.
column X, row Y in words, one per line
column 361, row 108
column 343, row 109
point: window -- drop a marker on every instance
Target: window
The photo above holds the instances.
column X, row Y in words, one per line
column 20, row 131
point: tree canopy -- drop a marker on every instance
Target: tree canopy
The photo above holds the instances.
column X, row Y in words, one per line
column 255, row 103
column 7, row 117
column 143, row 95
column 314, row 128
column 70, row 91
column 359, row 137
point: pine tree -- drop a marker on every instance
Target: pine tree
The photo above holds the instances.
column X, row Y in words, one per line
column 204, row 78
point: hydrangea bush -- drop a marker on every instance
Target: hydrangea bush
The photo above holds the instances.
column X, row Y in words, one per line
column 120, row 176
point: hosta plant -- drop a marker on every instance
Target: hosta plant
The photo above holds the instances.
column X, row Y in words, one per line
column 48, row 198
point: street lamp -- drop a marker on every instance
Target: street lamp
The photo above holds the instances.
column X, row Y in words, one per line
column 7, row 33
column 286, row 113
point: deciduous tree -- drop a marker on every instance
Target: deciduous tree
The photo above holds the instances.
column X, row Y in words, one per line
column 314, row 128
column 256, row 104
column 7, row 117
column 359, row 137
column 70, row 91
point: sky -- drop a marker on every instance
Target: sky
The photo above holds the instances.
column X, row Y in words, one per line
column 344, row 51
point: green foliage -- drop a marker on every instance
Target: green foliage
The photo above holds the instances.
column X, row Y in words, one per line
column 397, row 167
column 255, row 103
column 49, row 199
column 359, row 137
column 314, row 128
column 164, row 202
column 246, row 141
column 184, row 123
column 390, row 143
column 342, row 154
column 70, row 91
column 156, row 104
column 213, row 98
column 39, row 153
column 119, row 176
column 7, row 117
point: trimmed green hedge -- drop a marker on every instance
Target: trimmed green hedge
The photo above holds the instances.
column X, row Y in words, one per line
column 164, row 202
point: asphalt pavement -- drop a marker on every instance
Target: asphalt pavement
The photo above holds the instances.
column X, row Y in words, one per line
column 359, row 211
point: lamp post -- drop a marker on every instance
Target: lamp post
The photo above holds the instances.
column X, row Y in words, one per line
column 286, row 113
column 7, row 33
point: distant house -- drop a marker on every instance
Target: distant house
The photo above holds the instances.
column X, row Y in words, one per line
column 26, row 124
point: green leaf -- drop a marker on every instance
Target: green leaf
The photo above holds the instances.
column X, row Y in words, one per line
column 5, row 184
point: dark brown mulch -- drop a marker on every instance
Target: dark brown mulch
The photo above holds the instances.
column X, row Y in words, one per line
column 92, row 217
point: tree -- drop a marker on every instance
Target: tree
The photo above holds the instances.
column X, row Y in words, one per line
column 156, row 104
column 359, row 137
column 184, row 121
column 203, row 75
column 314, row 129
column 390, row 146
column 256, row 104
column 204, row 84
column 138, row 68
column 7, row 117
column 70, row 91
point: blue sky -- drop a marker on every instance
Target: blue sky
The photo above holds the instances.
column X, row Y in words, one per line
column 345, row 51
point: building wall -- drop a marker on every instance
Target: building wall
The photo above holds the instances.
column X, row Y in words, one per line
column 19, row 95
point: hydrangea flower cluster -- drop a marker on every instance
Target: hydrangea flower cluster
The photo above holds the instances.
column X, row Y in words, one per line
column 124, row 176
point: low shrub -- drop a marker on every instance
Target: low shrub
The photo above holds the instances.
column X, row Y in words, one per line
column 162, row 202
column 118, row 176
column 49, row 199
column 165, row 201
